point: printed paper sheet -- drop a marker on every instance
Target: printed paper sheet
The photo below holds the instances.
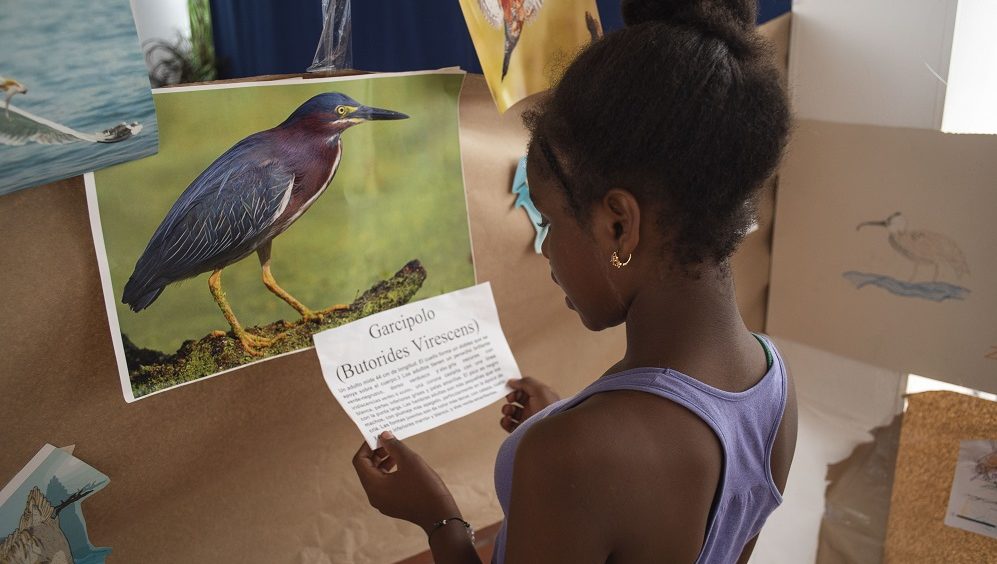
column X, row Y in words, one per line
column 418, row 366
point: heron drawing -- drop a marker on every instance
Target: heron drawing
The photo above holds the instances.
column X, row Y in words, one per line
column 248, row 196
column 510, row 16
column 922, row 247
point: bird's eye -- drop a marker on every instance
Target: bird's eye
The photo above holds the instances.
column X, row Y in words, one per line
column 341, row 110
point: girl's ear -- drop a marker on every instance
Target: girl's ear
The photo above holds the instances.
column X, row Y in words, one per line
column 619, row 220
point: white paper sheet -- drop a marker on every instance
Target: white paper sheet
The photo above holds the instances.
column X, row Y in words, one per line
column 973, row 501
column 415, row 367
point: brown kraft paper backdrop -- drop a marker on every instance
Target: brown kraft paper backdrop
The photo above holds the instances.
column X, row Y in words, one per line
column 254, row 466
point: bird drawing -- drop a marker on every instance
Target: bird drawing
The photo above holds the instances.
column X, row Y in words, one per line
column 922, row 247
column 510, row 16
column 250, row 194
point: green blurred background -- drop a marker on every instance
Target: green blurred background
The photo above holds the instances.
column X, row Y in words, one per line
column 398, row 195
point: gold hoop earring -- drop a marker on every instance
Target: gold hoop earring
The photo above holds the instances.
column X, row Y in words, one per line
column 615, row 260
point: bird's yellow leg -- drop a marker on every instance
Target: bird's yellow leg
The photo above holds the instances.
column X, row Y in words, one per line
column 271, row 284
column 249, row 341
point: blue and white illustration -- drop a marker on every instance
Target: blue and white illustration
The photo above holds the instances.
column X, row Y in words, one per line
column 923, row 248
column 522, row 191
column 40, row 515
column 74, row 91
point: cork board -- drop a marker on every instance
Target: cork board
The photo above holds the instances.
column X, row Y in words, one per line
column 932, row 427
column 254, row 466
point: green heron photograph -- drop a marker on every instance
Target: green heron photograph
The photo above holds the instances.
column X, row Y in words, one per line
column 276, row 210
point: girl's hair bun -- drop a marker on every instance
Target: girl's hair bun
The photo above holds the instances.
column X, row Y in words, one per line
column 732, row 21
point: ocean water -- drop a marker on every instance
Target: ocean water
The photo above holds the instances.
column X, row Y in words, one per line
column 83, row 67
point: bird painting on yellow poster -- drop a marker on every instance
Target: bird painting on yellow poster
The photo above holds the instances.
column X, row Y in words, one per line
column 521, row 43
column 510, row 16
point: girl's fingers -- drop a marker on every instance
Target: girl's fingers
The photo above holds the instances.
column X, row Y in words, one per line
column 517, row 396
column 508, row 424
column 363, row 463
column 386, row 464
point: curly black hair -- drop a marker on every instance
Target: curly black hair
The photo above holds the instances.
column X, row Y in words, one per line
column 684, row 107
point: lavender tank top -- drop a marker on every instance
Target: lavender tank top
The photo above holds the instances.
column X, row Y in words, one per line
column 745, row 423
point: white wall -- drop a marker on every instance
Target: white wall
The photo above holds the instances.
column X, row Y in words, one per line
column 161, row 19
column 871, row 61
column 972, row 78
column 840, row 400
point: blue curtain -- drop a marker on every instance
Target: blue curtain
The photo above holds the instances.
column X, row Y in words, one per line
column 254, row 37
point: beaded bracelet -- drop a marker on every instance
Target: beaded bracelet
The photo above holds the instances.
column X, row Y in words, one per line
column 442, row 523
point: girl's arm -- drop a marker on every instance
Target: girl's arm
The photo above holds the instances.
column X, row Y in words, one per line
column 400, row 484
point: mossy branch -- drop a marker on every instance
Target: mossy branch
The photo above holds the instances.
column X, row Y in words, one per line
column 151, row 370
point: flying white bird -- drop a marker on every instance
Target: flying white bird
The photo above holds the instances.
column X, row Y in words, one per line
column 19, row 127
column 509, row 15
column 10, row 87
column 921, row 246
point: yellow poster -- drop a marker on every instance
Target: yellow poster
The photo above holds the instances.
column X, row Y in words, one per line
column 522, row 44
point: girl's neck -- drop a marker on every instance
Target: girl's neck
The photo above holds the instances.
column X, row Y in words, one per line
column 690, row 325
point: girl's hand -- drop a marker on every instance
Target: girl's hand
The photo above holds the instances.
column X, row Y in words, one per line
column 528, row 397
column 400, row 484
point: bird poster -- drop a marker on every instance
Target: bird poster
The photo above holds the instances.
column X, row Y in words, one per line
column 883, row 249
column 973, row 498
column 40, row 515
column 74, row 90
column 275, row 210
column 523, row 44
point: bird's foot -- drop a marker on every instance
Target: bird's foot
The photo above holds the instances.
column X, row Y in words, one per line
column 253, row 343
column 309, row 316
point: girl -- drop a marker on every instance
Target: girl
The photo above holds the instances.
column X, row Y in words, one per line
column 644, row 161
